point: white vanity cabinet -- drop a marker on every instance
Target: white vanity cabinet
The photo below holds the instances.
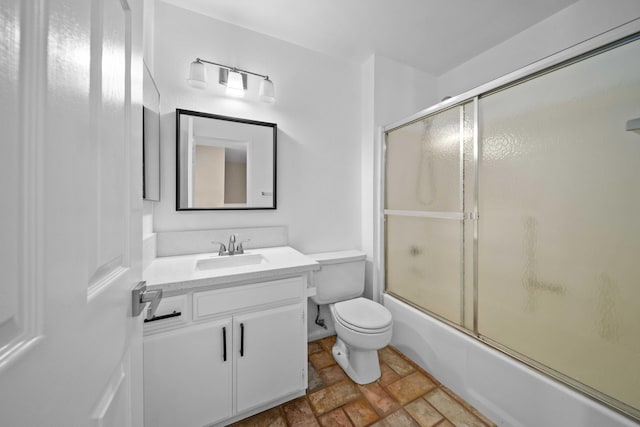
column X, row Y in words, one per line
column 273, row 361
column 187, row 382
column 239, row 350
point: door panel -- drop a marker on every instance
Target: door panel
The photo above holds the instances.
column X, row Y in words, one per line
column 109, row 142
column 425, row 208
column 70, row 352
column 19, row 328
column 187, row 381
column 273, row 359
column 424, row 263
column 423, row 169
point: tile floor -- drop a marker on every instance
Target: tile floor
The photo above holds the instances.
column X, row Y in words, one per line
column 405, row 396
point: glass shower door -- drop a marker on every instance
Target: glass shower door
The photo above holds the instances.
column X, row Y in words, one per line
column 424, row 212
column 559, row 235
column 514, row 217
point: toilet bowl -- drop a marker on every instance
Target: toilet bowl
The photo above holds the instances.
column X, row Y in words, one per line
column 362, row 326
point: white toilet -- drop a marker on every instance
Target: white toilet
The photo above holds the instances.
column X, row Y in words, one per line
column 363, row 326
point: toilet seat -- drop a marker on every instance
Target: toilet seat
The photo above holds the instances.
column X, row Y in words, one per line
column 363, row 315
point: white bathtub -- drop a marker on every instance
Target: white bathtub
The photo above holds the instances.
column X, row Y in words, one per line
column 503, row 389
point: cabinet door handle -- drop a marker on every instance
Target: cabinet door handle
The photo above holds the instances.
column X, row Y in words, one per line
column 164, row 316
column 241, row 339
column 224, row 344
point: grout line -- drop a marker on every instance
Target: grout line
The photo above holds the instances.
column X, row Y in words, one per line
column 467, row 406
column 327, row 342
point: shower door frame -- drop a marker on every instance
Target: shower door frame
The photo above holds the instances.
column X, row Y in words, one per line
column 623, row 34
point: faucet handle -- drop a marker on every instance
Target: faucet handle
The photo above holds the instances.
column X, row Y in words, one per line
column 222, row 249
column 240, row 248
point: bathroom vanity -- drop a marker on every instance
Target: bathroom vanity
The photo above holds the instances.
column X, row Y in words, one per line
column 229, row 339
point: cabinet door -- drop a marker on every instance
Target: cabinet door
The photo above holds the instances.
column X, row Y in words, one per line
column 187, row 381
column 270, row 355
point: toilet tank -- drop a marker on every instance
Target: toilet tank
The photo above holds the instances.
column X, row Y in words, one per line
column 341, row 276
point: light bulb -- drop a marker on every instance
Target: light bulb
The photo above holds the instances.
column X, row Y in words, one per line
column 267, row 91
column 197, row 75
column 235, row 85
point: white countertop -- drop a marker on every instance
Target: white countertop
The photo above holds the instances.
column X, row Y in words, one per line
column 177, row 274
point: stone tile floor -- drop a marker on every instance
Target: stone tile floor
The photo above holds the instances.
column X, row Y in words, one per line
column 404, row 396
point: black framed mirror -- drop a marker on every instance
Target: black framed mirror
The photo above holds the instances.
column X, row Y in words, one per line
column 224, row 163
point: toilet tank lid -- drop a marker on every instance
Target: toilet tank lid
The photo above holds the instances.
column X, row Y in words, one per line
column 338, row 256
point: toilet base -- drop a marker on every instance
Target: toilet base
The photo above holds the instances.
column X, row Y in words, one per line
column 361, row 366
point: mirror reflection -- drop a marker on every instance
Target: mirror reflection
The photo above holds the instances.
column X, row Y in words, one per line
column 150, row 138
column 224, row 162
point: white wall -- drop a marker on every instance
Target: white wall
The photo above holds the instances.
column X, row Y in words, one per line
column 318, row 116
column 574, row 24
column 390, row 91
column 328, row 112
column 148, row 36
column 367, row 169
column 400, row 90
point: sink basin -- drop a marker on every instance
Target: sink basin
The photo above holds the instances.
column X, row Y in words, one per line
column 229, row 261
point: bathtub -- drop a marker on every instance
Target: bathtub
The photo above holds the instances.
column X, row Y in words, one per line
column 506, row 391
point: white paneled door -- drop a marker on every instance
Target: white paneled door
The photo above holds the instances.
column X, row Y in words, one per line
column 70, row 222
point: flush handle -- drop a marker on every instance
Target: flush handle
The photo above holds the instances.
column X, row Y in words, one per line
column 140, row 296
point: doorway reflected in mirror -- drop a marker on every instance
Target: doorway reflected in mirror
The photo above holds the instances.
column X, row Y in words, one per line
column 224, row 162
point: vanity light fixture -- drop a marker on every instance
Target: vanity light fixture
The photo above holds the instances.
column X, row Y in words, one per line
column 233, row 78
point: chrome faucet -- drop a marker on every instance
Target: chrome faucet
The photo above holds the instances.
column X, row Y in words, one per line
column 231, row 247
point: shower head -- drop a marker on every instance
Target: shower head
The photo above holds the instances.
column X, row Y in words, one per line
column 634, row 125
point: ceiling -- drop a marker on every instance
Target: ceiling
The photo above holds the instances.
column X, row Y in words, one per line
column 431, row 35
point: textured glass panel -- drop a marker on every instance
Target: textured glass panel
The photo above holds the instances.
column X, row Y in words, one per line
column 423, row 263
column 559, row 242
column 469, row 190
column 423, row 164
